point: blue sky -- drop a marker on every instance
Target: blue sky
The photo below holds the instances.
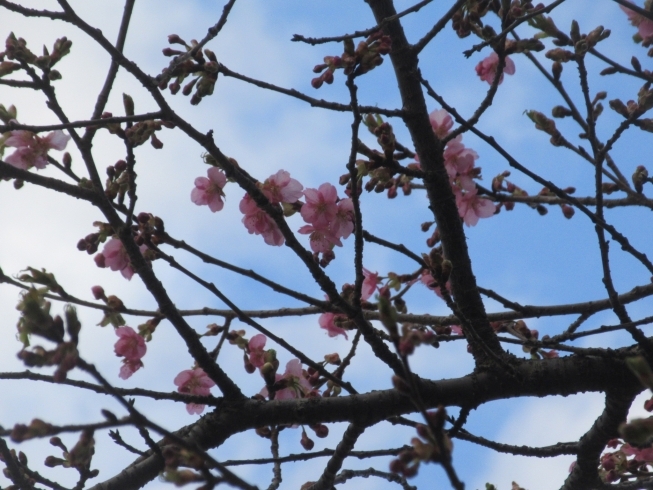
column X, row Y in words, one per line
column 527, row 258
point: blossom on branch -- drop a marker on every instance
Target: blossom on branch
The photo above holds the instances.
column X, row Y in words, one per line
column 208, row 191
column 471, row 207
column 114, row 256
column 329, row 218
column 255, row 350
column 321, row 205
column 327, row 321
column 280, row 188
column 369, row 284
column 291, row 384
column 643, row 24
column 441, row 122
column 32, row 150
column 132, row 347
column 194, row 382
column 259, row 222
column 487, row 68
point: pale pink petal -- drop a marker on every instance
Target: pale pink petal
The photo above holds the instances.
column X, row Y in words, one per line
column 369, row 284
column 57, row 140
column 195, row 408
column 327, row 322
column 441, row 122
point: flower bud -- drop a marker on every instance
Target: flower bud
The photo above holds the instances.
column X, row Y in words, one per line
column 128, row 103
column 567, row 211
column 306, row 442
column 321, row 430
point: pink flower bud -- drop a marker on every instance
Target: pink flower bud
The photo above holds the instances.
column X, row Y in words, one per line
column 99, row 261
column 98, row 292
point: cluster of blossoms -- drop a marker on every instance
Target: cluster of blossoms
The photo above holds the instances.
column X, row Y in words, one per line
column 615, row 466
column 31, row 149
column 131, row 346
column 461, row 169
column 280, row 189
column 194, row 382
column 329, row 218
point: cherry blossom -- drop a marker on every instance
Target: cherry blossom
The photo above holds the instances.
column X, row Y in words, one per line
column 259, row 222
column 320, row 239
column 129, row 367
column 641, row 454
column 329, row 219
column 428, row 280
column 369, row 284
column 327, row 321
column 456, row 329
column 441, row 122
column 644, row 25
column 343, row 224
column 321, row 205
column 132, row 347
column 114, row 256
column 297, row 386
column 208, row 191
column 459, row 162
column 32, row 150
column 471, row 207
column 487, row 68
column 194, row 382
column 280, row 188
column 255, row 350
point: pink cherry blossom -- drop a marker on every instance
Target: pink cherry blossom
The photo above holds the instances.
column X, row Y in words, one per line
column 369, row 284
column 487, row 68
column 428, row 280
column 459, row 162
column 327, row 321
column 280, row 188
column 130, row 345
column 320, row 239
column 644, row 25
column 255, row 350
column 297, row 385
column 456, row 329
column 643, row 454
column 194, row 382
column 129, row 367
column 115, row 257
column 320, row 208
column 343, row 223
column 208, row 191
column 259, row 222
column 471, row 207
column 32, row 150
column 441, row 122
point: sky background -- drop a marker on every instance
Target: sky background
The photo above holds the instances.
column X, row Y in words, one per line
column 526, row 258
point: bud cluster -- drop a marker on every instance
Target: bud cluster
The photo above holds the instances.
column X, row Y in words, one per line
column 16, row 49
column 354, row 60
column 140, row 132
column 205, row 72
